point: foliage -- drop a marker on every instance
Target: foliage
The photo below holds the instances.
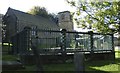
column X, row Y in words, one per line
column 72, row 44
column 42, row 11
column 97, row 15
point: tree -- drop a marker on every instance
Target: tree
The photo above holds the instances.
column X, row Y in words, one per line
column 41, row 11
column 97, row 16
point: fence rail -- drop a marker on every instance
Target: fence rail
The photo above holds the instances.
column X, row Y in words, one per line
column 54, row 41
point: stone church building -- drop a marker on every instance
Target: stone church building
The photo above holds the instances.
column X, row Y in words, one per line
column 15, row 21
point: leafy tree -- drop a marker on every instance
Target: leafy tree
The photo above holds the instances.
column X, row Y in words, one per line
column 41, row 11
column 97, row 15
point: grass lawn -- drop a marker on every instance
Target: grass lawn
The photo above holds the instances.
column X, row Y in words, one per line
column 9, row 58
column 117, row 54
column 104, row 66
column 92, row 67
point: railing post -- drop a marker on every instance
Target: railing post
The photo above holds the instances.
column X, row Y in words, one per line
column 113, row 50
column 63, row 44
column 76, row 36
column 91, row 42
column 27, row 38
column 112, row 35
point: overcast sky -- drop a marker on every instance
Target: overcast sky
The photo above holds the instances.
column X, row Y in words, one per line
column 53, row 6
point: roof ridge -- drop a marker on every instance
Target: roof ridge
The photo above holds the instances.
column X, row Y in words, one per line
column 33, row 19
column 19, row 11
column 14, row 10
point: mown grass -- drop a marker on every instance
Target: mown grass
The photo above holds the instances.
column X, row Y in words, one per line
column 102, row 66
column 117, row 54
column 9, row 57
column 106, row 66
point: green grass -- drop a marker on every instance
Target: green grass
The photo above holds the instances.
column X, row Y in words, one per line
column 93, row 66
column 103, row 66
column 9, row 57
column 117, row 54
column 107, row 68
column 59, row 67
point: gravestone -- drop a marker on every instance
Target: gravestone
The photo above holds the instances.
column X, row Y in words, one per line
column 79, row 62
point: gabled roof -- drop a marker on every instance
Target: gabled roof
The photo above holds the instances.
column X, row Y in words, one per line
column 41, row 22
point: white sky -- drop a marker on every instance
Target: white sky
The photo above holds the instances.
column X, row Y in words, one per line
column 53, row 6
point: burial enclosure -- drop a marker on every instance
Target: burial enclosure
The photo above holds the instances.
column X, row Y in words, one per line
column 59, row 45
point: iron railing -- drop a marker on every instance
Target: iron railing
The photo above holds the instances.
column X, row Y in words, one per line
column 57, row 42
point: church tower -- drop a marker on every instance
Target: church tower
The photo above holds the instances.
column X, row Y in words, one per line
column 65, row 20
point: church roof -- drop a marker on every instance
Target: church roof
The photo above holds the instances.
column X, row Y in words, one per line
column 39, row 21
